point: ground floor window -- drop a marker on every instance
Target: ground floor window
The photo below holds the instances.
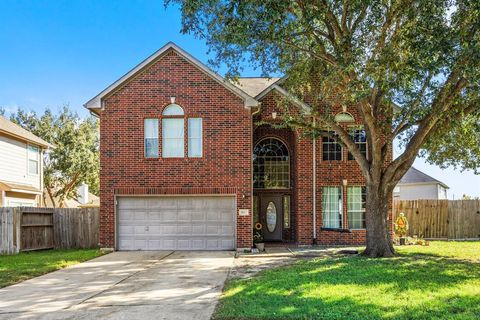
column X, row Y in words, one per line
column 356, row 200
column 332, row 207
column 256, row 217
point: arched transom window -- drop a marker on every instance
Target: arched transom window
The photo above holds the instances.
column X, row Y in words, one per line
column 173, row 132
column 271, row 165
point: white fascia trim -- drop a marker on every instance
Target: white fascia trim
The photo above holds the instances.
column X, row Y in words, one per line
column 306, row 108
column 412, row 184
column 24, row 191
column 96, row 102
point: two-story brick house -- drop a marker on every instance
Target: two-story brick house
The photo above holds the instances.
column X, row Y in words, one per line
column 184, row 164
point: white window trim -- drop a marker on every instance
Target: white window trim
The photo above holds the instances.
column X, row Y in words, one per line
column 348, row 211
column 200, row 138
column 342, row 151
column 340, row 209
column 28, row 160
column 145, row 138
column 182, row 118
column 357, row 127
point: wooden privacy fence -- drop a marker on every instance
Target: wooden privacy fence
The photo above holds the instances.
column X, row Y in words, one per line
column 26, row 229
column 441, row 219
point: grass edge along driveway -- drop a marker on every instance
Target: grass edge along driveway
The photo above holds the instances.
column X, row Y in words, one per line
column 440, row 281
column 27, row 265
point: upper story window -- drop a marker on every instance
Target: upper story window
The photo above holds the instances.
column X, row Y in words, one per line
column 173, row 110
column 359, row 136
column 33, row 160
column 195, row 137
column 271, row 165
column 151, row 138
column 331, row 149
column 173, row 135
column 173, row 132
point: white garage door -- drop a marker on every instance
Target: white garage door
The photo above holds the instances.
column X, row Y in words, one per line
column 176, row 223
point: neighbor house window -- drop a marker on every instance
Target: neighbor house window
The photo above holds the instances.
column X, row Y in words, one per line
column 286, row 212
column 173, row 132
column 356, row 200
column 332, row 150
column 195, row 137
column 359, row 136
column 151, row 138
column 332, row 207
column 33, row 160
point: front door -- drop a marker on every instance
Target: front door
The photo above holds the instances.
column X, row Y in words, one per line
column 272, row 213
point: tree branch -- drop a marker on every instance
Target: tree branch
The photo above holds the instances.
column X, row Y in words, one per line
column 443, row 101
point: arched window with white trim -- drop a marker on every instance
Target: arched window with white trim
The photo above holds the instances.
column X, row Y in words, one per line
column 271, row 165
column 173, row 132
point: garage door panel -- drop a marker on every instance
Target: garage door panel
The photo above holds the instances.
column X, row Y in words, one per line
column 198, row 216
column 227, row 230
column 162, row 203
column 227, row 243
column 169, row 215
column 133, row 203
column 198, row 229
column 213, row 216
column 126, row 243
column 176, row 223
column 155, row 216
column 126, row 230
column 184, row 215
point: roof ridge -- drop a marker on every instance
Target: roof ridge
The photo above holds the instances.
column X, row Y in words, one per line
column 95, row 103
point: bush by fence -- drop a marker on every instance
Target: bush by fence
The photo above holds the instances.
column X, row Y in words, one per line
column 441, row 219
column 25, row 229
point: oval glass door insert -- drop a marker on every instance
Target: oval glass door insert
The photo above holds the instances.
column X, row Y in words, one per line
column 271, row 217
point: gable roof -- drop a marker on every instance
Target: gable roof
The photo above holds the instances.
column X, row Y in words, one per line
column 95, row 104
column 94, row 201
column 415, row 176
column 259, row 87
column 305, row 107
column 11, row 129
column 255, row 85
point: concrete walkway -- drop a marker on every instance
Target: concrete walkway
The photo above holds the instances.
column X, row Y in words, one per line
column 124, row 285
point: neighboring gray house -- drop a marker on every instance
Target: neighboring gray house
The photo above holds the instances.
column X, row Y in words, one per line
column 21, row 166
column 417, row 185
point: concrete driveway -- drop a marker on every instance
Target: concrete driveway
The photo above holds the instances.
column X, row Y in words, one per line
column 124, row 285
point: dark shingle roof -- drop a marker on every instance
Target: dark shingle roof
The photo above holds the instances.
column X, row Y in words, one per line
column 416, row 176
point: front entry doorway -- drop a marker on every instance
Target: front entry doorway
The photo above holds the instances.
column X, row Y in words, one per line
column 272, row 216
column 272, row 189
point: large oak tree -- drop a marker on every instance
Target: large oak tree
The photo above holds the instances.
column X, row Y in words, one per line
column 411, row 69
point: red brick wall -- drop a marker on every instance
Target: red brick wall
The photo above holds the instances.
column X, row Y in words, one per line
column 227, row 142
column 328, row 173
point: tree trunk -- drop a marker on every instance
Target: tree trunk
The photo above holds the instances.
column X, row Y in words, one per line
column 379, row 242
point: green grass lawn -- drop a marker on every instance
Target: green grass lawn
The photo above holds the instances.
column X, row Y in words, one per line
column 26, row 265
column 441, row 281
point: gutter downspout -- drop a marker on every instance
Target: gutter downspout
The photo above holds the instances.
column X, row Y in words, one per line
column 314, row 189
column 253, row 113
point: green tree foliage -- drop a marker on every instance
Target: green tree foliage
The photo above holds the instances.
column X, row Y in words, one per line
column 410, row 68
column 457, row 147
column 75, row 156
